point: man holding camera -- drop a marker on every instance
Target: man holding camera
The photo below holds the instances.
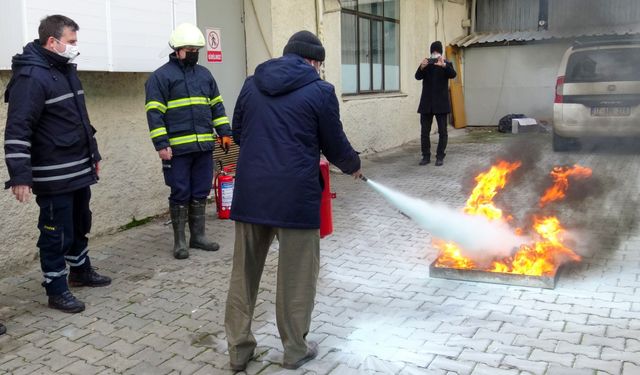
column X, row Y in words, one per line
column 435, row 73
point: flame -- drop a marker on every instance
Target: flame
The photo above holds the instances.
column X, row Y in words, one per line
column 560, row 177
column 541, row 257
column 480, row 201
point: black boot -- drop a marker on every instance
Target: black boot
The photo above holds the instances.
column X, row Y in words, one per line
column 87, row 277
column 179, row 215
column 3, row 329
column 66, row 302
column 196, row 227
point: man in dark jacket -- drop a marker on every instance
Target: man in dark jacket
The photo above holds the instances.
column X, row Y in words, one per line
column 183, row 109
column 50, row 149
column 435, row 73
column 284, row 118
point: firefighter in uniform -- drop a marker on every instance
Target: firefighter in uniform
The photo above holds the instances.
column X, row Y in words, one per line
column 184, row 107
column 50, row 150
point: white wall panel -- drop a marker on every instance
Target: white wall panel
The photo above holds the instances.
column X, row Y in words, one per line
column 12, row 30
column 115, row 35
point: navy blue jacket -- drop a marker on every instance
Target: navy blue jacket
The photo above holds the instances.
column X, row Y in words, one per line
column 183, row 107
column 49, row 141
column 435, row 88
column 284, row 117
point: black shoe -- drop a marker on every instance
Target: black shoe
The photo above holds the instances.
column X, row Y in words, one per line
column 425, row 161
column 3, row 329
column 88, row 277
column 439, row 162
column 66, row 302
column 311, row 354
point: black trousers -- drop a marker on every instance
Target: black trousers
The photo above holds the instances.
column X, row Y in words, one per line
column 64, row 222
column 426, row 119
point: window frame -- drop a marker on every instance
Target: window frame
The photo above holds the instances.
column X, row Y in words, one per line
column 382, row 19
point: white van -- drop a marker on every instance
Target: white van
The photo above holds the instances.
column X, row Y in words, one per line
column 597, row 92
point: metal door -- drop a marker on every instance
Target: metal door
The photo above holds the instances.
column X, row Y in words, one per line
column 228, row 16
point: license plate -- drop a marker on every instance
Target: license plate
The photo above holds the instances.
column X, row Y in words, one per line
column 610, row 111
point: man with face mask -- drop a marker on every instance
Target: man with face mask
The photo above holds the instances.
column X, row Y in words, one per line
column 50, row 150
column 184, row 107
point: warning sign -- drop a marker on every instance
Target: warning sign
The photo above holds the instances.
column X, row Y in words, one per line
column 214, row 46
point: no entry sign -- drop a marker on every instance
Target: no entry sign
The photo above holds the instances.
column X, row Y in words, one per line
column 214, row 46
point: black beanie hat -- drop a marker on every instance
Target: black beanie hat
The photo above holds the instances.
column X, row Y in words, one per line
column 305, row 44
column 436, row 47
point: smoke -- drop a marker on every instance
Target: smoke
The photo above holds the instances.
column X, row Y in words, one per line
column 472, row 233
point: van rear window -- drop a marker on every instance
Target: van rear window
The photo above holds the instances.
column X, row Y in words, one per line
column 604, row 65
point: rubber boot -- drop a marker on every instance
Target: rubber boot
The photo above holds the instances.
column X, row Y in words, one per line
column 179, row 215
column 196, row 227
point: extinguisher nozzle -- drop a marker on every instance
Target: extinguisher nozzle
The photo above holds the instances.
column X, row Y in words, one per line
column 363, row 178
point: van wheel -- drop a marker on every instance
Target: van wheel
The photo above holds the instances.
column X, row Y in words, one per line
column 561, row 143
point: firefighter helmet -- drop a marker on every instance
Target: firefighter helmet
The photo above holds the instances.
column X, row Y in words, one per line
column 186, row 35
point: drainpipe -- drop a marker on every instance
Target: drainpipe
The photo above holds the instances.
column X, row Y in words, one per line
column 319, row 13
column 473, row 16
column 320, row 26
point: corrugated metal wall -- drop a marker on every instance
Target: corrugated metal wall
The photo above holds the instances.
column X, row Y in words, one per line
column 580, row 14
column 522, row 15
column 507, row 15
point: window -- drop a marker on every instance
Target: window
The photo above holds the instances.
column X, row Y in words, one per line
column 604, row 65
column 370, row 46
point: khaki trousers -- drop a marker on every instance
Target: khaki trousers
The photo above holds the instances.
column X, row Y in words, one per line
column 298, row 267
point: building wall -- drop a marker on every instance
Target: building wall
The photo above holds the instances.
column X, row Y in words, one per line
column 131, row 184
column 510, row 79
column 372, row 122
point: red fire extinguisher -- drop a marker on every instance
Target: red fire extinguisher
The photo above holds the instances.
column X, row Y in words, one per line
column 326, row 216
column 223, row 190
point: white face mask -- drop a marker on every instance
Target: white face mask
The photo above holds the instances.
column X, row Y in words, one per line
column 70, row 51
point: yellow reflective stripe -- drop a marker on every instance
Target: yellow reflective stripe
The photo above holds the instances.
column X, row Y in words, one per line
column 205, row 138
column 182, row 140
column 216, row 100
column 195, row 100
column 155, row 105
column 158, row 132
column 221, row 121
column 191, row 138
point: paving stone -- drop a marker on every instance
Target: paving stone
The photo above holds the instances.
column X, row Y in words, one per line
column 55, row 361
column 146, row 368
column 609, row 354
column 89, row 354
column 117, row 363
column 617, row 343
column 483, row 369
column 124, row 348
column 562, row 359
column 377, row 310
column 458, row 367
column 491, row 360
column 630, row 369
column 585, row 329
column 534, row 367
column 82, row 368
column 182, row 365
column 592, row 351
column 612, row 367
column 98, row 340
column 514, row 350
column 561, row 370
